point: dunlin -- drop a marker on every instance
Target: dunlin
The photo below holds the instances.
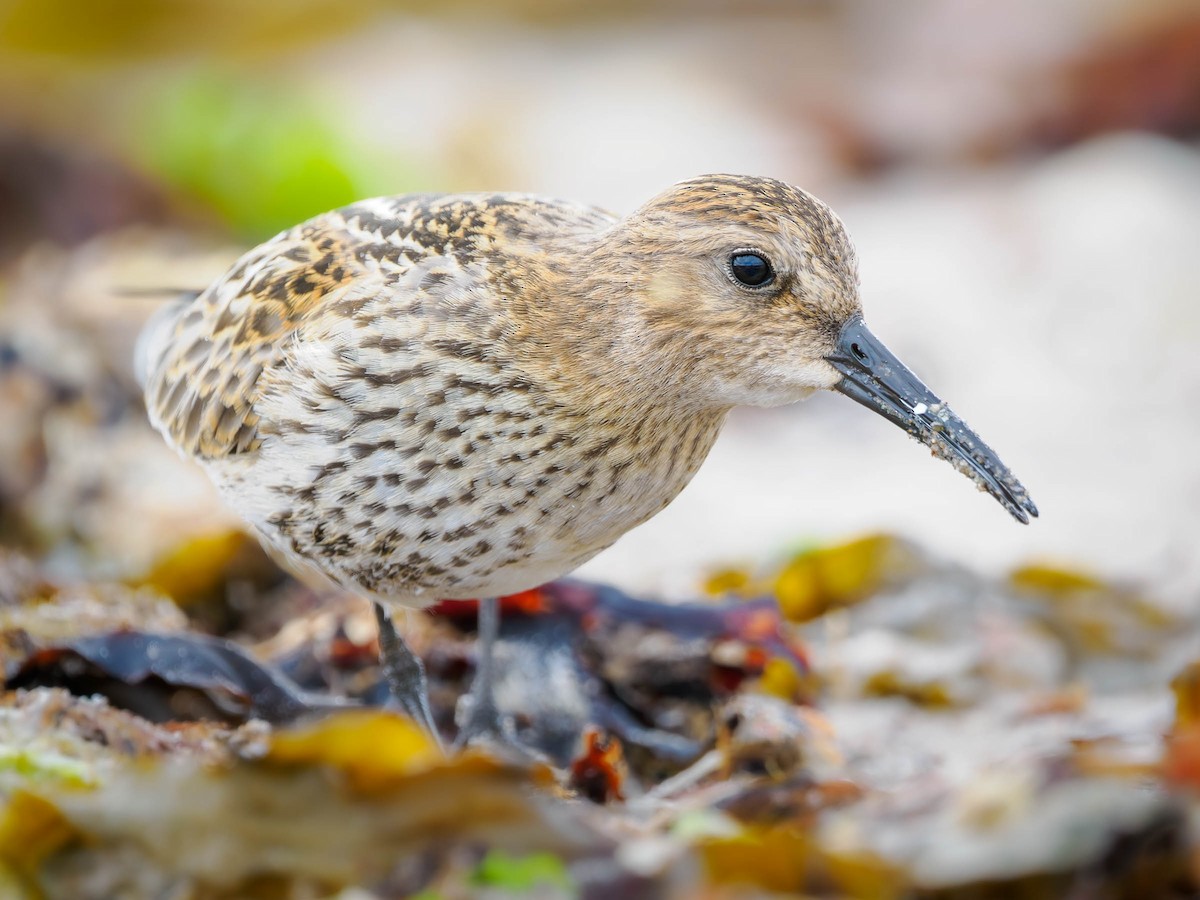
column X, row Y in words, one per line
column 430, row 397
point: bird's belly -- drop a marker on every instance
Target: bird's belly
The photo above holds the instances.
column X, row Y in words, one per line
column 416, row 527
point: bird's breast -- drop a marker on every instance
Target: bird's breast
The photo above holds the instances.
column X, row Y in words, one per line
column 454, row 481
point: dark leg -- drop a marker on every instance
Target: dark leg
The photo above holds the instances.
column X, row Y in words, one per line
column 405, row 674
column 483, row 717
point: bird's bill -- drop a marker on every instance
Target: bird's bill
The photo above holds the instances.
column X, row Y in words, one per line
column 872, row 376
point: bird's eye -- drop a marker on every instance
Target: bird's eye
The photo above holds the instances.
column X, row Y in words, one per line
column 751, row 269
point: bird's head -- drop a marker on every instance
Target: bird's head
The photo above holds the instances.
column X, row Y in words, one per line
column 746, row 292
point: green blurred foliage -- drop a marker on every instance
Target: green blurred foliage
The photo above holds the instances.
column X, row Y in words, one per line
column 522, row 873
column 260, row 157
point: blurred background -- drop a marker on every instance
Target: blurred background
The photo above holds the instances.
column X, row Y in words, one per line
column 1022, row 180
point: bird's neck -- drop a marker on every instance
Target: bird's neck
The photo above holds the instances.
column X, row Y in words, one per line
column 603, row 354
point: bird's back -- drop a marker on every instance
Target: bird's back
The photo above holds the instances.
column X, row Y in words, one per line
column 202, row 361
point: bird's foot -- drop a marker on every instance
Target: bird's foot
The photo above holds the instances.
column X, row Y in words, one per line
column 405, row 675
column 415, row 705
column 479, row 718
column 480, row 721
column 483, row 725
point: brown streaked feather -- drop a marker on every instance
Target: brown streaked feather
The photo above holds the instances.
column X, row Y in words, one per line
column 203, row 361
column 207, row 358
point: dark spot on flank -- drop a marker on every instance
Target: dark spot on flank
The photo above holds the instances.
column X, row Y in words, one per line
column 385, row 344
column 472, row 386
column 331, row 468
column 577, row 491
column 353, row 305
column 340, row 547
column 433, row 279
column 395, row 376
column 362, row 416
column 520, row 385
column 459, row 348
column 600, row 449
column 280, row 520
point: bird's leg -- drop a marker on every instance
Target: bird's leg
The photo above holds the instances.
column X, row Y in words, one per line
column 405, row 674
column 483, row 718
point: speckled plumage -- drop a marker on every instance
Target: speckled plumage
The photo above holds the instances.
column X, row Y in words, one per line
column 432, row 397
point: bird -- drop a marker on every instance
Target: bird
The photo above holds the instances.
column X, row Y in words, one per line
column 442, row 396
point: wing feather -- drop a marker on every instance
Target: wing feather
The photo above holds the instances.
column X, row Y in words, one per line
column 202, row 361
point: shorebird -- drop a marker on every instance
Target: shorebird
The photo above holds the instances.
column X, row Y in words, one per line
column 431, row 397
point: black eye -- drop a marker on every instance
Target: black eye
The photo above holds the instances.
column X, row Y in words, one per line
column 751, row 269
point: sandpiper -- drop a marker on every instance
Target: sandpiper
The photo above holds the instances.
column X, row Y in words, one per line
column 445, row 396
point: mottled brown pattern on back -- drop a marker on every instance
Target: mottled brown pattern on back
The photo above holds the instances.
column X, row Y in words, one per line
column 203, row 385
